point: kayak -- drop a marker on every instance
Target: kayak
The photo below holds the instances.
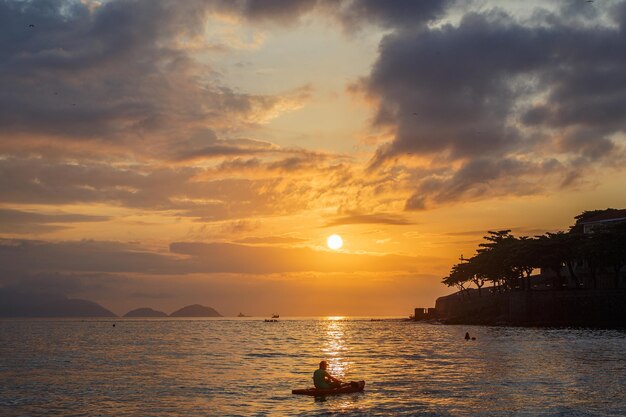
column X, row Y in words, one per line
column 348, row 389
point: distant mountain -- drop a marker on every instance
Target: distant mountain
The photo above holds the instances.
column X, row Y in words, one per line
column 196, row 310
column 19, row 303
column 145, row 312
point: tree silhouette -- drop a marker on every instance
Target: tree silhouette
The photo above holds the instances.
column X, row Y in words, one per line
column 507, row 262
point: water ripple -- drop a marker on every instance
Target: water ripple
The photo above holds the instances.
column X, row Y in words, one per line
column 248, row 367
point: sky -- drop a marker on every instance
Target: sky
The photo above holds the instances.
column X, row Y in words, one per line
column 159, row 153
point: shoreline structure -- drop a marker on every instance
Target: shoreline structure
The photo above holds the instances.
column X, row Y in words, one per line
column 563, row 307
column 580, row 282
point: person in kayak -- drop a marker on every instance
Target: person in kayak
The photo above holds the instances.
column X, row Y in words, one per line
column 322, row 379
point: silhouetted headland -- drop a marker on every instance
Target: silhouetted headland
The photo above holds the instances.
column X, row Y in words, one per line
column 196, row 310
column 145, row 312
column 581, row 280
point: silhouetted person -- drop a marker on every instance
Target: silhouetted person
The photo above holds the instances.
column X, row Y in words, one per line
column 324, row 380
column 467, row 336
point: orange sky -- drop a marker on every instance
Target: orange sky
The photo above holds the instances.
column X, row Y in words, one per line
column 155, row 154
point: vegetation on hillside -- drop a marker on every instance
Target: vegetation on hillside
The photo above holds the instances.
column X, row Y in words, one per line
column 576, row 259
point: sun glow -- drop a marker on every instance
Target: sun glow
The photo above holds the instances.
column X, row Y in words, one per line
column 334, row 242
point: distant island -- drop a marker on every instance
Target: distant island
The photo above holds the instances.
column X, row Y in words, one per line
column 145, row 312
column 580, row 280
column 196, row 310
column 15, row 302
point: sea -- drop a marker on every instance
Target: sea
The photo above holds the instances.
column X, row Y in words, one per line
column 248, row 367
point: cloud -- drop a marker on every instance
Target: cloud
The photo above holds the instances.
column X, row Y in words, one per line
column 28, row 257
column 205, row 193
column 204, row 144
column 351, row 14
column 25, row 222
column 272, row 11
column 374, row 218
column 355, row 14
column 61, row 283
column 270, row 240
column 116, row 78
column 224, row 257
column 485, row 178
column 493, row 99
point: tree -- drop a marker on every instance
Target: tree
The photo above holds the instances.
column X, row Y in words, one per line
column 550, row 256
column 458, row 277
column 495, row 259
column 524, row 259
column 609, row 245
column 565, row 247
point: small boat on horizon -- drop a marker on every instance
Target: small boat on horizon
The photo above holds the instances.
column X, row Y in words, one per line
column 275, row 316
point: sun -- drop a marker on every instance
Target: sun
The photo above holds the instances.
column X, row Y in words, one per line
column 334, row 242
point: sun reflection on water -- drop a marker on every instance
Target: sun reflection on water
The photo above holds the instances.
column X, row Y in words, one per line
column 334, row 347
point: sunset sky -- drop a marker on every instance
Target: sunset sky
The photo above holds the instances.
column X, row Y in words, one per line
column 162, row 153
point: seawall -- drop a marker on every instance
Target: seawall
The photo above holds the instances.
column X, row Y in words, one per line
column 594, row 308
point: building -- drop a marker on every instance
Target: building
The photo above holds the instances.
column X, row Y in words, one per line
column 603, row 219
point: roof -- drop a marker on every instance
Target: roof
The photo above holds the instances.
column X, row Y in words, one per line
column 608, row 216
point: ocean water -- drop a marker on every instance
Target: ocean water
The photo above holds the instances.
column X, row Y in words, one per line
column 246, row 367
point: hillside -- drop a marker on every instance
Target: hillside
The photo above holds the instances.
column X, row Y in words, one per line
column 196, row 310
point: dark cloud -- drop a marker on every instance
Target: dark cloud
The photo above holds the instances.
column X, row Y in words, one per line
column 23, row 222
column 355, row 14
column 373, row 218
column 29, row 257
column 462, row 93
column 19, row 258
column 204, row 144
column 352, row 14
column 448, row 90
column 60, row 283
column 116, row 74
column 270, row 240
column 481, row 178
column 276, row 10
